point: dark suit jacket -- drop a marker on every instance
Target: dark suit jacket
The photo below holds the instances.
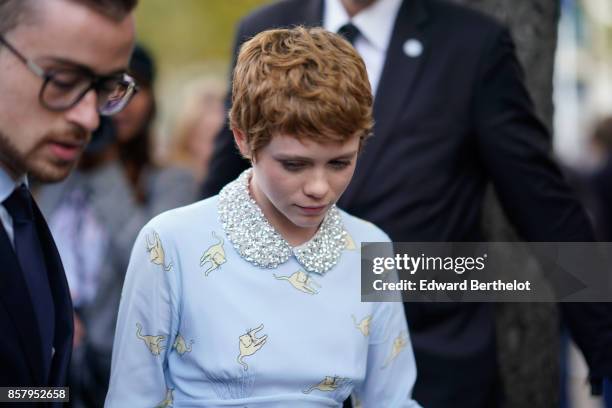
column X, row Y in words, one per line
column 446, row 123
column 22, row 361
column 601, row 186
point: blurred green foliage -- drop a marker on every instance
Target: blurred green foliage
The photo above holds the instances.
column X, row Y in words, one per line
column 186, row 32
column 191, row 41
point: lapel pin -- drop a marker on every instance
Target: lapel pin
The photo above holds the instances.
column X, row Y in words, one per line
column 413, row 48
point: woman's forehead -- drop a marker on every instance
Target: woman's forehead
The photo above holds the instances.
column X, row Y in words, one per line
column 302, row 146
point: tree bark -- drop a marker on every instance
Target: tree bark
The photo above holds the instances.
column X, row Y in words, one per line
column 527, row 333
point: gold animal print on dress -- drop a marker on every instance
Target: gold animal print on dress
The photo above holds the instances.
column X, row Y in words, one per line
column 249, row 344
column 181, row 346
column 156, row 252
column 399, row 344
column 168, row 400
column 363, row 325
column 215, row 255
column 328, row 384
column 350, row 244
column 301, row 281
column 153, row 343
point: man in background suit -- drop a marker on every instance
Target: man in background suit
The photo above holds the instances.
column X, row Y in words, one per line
column 451, row 114
column 63, row 63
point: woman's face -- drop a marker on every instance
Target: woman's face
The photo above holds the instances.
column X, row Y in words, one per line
column 296, row 182
column 133, row 117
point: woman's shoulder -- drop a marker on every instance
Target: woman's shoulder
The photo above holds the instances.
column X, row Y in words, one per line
column 182, row 221
column 361, row 230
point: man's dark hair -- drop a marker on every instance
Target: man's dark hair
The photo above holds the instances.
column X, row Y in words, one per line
column 12, row 11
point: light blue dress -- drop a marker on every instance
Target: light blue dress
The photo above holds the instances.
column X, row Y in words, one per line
column 200, row 326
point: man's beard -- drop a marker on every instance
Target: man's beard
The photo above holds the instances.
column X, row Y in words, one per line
column 47, row 171
column 10, row 158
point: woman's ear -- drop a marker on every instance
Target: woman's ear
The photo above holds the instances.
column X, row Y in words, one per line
column 241, row 142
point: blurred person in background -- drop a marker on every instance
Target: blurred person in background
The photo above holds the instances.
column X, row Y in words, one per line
column 452, row 114
column 95, row 216
column 197, row 124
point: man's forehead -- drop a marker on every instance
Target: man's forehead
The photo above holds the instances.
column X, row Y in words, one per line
column 71, row 32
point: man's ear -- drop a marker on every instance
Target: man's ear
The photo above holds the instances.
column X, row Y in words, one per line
column 241, row 142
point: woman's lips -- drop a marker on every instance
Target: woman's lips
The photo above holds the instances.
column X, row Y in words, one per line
column 312, row 210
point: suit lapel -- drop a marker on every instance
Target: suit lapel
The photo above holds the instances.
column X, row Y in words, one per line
column 15, row 296
column 398, row 77
column 62, row 302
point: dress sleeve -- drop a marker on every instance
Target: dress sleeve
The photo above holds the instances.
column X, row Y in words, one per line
column 146, row 325
column 391, row 369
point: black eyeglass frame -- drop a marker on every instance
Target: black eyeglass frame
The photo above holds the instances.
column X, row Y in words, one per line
column 96, row 82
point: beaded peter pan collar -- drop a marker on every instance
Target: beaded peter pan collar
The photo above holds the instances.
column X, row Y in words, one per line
column 256, row 240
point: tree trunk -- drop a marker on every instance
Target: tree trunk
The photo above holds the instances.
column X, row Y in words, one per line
column 527, row 333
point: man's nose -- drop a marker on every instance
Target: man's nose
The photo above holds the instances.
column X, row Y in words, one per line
column 85, row 113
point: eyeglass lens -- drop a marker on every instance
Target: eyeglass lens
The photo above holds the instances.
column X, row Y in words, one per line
column 114, row 95
column 65, row 88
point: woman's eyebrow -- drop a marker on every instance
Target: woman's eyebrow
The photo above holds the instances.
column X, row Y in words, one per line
column 282, row 156
column 346, row 156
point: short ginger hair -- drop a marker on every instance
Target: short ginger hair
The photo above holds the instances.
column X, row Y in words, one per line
column 303, row 82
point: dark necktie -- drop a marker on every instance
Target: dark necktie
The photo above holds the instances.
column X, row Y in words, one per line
column 31, row 259
column 349, row 32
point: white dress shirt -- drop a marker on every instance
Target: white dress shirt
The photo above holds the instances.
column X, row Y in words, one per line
column 375, row 24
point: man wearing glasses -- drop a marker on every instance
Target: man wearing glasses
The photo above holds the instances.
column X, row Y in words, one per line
column 62, row 64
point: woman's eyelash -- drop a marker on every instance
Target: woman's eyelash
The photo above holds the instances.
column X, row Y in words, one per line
column 291, row 165
column 340, row 164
